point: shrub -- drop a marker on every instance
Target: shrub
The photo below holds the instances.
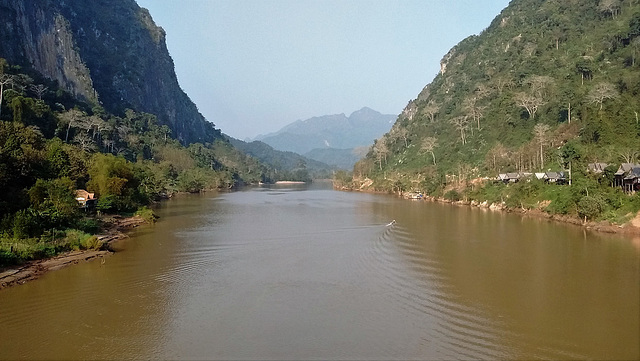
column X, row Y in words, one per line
column 452, row 195
column 88, row 225
column 591, row 207
column 147, row 214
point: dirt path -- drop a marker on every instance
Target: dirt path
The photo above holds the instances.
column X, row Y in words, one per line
column 18, row 275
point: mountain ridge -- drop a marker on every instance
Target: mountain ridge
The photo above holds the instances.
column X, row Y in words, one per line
column 332, row 132
column 110, row 54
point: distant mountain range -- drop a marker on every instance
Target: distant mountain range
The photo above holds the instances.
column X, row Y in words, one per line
column 332, row 139
column 282, row 161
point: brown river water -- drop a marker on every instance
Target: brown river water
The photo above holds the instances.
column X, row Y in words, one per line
column 305, row 272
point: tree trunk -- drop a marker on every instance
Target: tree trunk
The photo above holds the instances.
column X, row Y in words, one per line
column 1, row 92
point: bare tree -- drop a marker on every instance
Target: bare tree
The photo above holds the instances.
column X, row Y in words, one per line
column 84, row 141
column 602, row 92
column 540, row 132
column 471, row 106
column 501, row 83
column 629, row 155
column 496, row 154
column 540, row 85
column 610, row 6
column 5, row 79
column 428, row 145
column 39, row 90
column 461, row 123
column 530, row 102
column 635, row 45
column 72, row 117
column 381, row 151
column 431, row 109
column 403, row 133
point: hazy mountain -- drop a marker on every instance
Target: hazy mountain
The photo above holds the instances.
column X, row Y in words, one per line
column 337, row 134
column 107, row 52
column 282, row 160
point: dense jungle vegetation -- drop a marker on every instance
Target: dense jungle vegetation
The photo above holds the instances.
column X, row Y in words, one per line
column 550, row 85
column 51, row 144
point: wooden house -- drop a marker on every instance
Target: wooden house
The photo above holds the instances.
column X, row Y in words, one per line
column 596, row 168
column 624, row 171
column 555, row 177
column 85, row 199
column 631, row 181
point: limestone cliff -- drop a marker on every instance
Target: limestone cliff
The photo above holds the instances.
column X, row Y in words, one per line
column 104, row 51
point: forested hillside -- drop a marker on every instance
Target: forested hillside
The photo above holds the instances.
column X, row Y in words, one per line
column 549, row 85
column 284, row 165
column 52, row 145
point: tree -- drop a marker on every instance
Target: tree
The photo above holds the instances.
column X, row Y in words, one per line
column 380, row 150
column 602, row 92
column 5, row 79
column 530, row 102
column 540, row 85
column 495, row 154
column 540, row 134
column 635, row 45
column 461, row 123
column 428, row 145
column 54, row 201
column 610, row 6
column 403, row 133
column 431, row 109
column 39, row 90
column 569, row 153
column 72, row 117
column 583, row 66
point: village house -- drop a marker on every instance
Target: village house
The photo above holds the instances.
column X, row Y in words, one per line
column 596, row 168
column 555, row 177
column 508, row 177
column 628, row 177
column 85, row 199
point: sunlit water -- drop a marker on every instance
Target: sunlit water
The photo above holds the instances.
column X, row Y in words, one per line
column 310, row 273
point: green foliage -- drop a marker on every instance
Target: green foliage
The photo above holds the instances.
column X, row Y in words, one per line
column 548, row 86
column 452, row 195
column 147, row 214
column 590, row 207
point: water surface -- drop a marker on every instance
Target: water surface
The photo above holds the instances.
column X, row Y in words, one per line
column 299, row 272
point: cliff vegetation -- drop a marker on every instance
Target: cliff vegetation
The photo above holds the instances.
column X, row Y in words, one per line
column 551, row 86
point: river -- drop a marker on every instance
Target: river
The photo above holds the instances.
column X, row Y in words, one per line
column 305, row 272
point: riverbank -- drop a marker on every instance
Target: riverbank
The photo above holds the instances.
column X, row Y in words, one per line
column 115, row 228
column 631, row 228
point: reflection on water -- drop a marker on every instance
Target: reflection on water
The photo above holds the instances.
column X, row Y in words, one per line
column 297, row 273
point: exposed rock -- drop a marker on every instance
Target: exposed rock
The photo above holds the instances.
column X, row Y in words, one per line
column 107, row 51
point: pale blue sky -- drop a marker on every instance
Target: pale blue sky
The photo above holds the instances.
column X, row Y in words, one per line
column 254, row 66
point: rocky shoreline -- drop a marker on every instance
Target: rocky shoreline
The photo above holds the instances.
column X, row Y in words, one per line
column 631, row 228
column 115, row 230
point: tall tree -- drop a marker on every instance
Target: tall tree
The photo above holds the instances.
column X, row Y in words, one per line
column 428, row 145
column 5, row 79
column 461, row 123
column 431, row 109
column 602, row 92
column 530, row 102
column 540, row 132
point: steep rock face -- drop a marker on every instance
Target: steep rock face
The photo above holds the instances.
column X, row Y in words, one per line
column 108, row 51
column 34, row 34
